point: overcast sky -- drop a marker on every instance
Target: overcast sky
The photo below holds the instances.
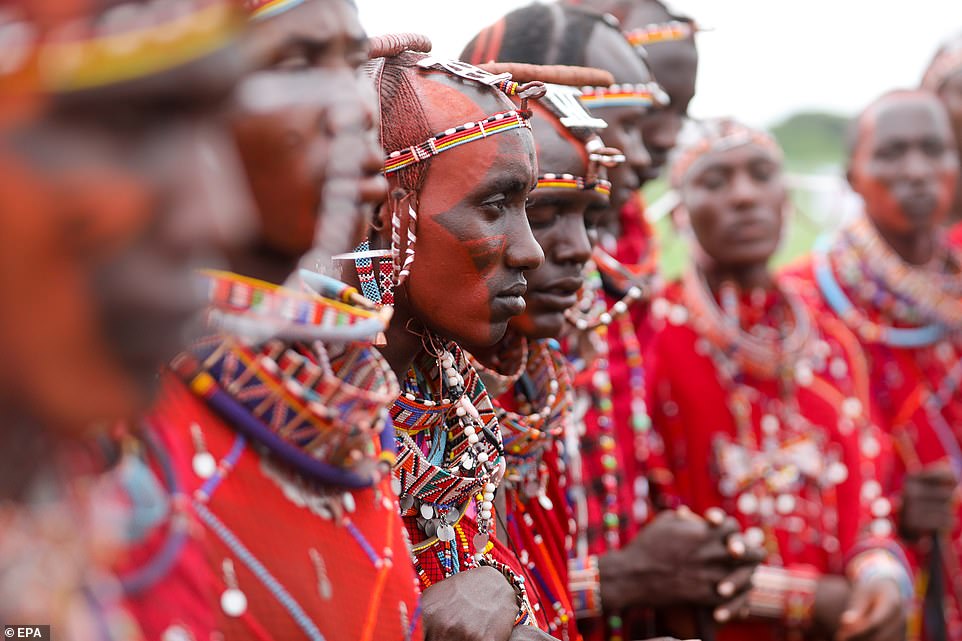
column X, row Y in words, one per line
column 762, row 60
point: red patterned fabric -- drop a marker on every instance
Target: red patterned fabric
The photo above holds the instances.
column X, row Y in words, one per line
column 284, row 524
column 900, row 380
column 803, row 521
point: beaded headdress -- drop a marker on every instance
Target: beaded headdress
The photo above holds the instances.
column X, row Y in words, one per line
column 947, row 62
column 708, row 136
column 113, row 46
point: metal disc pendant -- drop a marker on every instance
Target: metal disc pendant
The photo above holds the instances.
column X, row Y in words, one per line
column 480, row 541
column 407, row 502
column 431, row 527
column 204, row 465
column 233, row 602
column 427, row 511
column 446, row 533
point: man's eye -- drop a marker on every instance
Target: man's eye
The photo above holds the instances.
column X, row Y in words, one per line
column 498, row 202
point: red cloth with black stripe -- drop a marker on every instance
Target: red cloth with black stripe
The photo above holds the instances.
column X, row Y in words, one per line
column 280, row 520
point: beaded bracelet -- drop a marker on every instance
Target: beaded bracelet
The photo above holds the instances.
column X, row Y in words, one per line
column 525, row 614
column 584, row 582
column 784, row 593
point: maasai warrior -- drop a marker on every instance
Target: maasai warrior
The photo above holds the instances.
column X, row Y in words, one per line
column 944, row 78
column 527, row 372
column 756, row 405
column 100, row 224
column 892, row 278
column 449, row 249
column 610, row 484
column 271, row 441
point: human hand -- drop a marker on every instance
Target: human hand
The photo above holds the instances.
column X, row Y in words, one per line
column 875, row 612
column 927, row 502
column 681, row 558
column 832, row 595
column 473, row 605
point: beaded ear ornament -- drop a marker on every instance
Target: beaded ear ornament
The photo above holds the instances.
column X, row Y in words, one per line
column 380, row 287
column 671, row 31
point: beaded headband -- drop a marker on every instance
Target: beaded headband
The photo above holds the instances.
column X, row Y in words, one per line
column 646, row 95
column 113, row 48
column 945, row 65
column 471, row 131
column 568, row 181
column 263, row 9
column 661, row 32
column 455, row 137
column 714, row 136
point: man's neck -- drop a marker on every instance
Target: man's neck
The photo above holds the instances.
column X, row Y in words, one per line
column 916, row 247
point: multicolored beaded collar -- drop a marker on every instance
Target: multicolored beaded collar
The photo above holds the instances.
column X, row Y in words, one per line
column 945, row 65
column 114, row 47
column 648, row 94
column 661, row 32
column 321, row 415
column 761, row 356
column 710, row 136
column 931, row 295
column 449, row 444
column 569, row 181
column 326, row 310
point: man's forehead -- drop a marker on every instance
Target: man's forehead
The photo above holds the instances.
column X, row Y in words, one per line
column 905, row 116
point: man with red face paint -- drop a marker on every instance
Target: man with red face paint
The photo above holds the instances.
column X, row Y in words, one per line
column 892, row 278
column 944, row 78
column 276, row 424
column 756, row 412
column 448, row 250
column 526, row 371
column 101, row 225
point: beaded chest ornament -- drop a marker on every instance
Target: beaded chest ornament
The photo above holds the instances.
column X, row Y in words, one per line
column 671, row 31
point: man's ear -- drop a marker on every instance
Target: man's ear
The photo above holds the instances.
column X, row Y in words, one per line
column 398, row 200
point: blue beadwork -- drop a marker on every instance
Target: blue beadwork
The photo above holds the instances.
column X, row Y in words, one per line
column 258, row 569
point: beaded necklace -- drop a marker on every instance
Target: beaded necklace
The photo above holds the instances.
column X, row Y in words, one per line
column 765, row 479
column 636, row 281
column 542, row 391
column 449, row 450
column 901, row 292
column 671, row 31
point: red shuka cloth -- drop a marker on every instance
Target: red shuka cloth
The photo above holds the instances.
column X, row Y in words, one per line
column 269, row 511
column 900, row 379
column 693, row 423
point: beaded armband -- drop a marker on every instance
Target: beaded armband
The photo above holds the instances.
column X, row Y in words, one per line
column 525, row 614
column 878, row 564
column 584, row 582
column 784, row 593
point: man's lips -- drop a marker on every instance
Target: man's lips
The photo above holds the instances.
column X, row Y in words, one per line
column 557, row 295
column 510, row 301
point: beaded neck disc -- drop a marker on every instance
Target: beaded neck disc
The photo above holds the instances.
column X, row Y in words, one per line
column 301, row 403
